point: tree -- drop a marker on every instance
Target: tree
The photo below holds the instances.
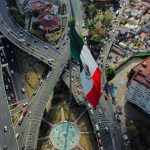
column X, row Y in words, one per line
column 101, row 31
column 35, row 13
column 138, row 43
column 95, row 39
column 107, row 19
column 123, row 21
column 91, row 26
column 19, row 18
column 110, row 73
column 90, row 10
column 35, row 25
column 72, row 22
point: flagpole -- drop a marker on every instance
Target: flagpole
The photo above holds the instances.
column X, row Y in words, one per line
column 70, row 87
column 70, row 98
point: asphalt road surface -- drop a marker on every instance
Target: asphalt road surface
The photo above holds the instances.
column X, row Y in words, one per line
column 6, row 138
column 12, row 31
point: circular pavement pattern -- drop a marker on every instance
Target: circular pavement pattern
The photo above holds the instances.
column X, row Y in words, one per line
column 64, row 135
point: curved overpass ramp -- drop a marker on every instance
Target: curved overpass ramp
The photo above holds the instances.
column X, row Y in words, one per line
column 38, row 106
column 12, row 31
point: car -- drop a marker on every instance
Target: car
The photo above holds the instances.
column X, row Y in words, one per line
column 2, row 60
column 5, row 147
column 34, row 93
column 17, row 135
column 25, row 111
column 107, row 129
column 12, row 60
column 23, row 90
column 41, row 80
column 9, row 98
column 28, row 44
column 5, row 128
column 50, row 61
column 21, row 35
column 100, row 142
column 2, row 54
column 25, row 104
column 98, row 135
column 46, row 47
column 12, row 72
column 101, row 148
column 35, row 40
column 6, row 87
column 12, row 96
column 21, row 40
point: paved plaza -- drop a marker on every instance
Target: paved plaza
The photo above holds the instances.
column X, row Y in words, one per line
column 64, row 135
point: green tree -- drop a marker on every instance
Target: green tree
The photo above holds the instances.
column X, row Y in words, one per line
column 35, row 13
column 90, row 10
column 138, row 43
column 110, row 73
column 91, row 26
column 107, row 19
column 38, row 34
column 19, row 18
column 82, row 37
column 101, row 31
column 95, row 39
column 123, row 21
column 35, row 25
column 72, row 22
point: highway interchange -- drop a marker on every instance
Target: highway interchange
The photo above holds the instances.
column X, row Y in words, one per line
column 29, row 128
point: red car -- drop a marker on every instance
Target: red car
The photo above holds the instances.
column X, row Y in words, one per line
column 25, row 111
column 100, row 142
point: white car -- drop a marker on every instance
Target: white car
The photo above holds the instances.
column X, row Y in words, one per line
column 46, row 47
column 5, row 128
column 12, row 72
column 24, row 105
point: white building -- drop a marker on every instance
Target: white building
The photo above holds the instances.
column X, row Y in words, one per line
column 139, row 86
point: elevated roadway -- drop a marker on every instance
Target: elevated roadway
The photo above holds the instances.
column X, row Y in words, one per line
column 13, row 32
column 30, row 126
column 7, row 139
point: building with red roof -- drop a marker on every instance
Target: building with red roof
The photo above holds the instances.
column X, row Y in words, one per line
column 36, row 5
column 139, row 85
column 49, row 23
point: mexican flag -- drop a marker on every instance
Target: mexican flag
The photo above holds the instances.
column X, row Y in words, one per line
column 90, row 73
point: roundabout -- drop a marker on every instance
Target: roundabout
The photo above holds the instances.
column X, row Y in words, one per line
column 64, row 135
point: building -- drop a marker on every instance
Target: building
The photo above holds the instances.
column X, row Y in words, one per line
column 49, row 23
column 102, row 2
column 139, row 85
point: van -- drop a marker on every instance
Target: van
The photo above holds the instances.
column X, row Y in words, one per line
column 17, row 135
column 20, row 119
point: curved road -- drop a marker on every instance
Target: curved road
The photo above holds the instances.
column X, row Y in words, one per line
column 12, row 31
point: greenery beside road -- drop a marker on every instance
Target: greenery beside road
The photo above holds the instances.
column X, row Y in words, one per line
column 19, row 18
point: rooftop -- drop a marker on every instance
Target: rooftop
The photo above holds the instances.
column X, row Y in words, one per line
column 141, row 72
